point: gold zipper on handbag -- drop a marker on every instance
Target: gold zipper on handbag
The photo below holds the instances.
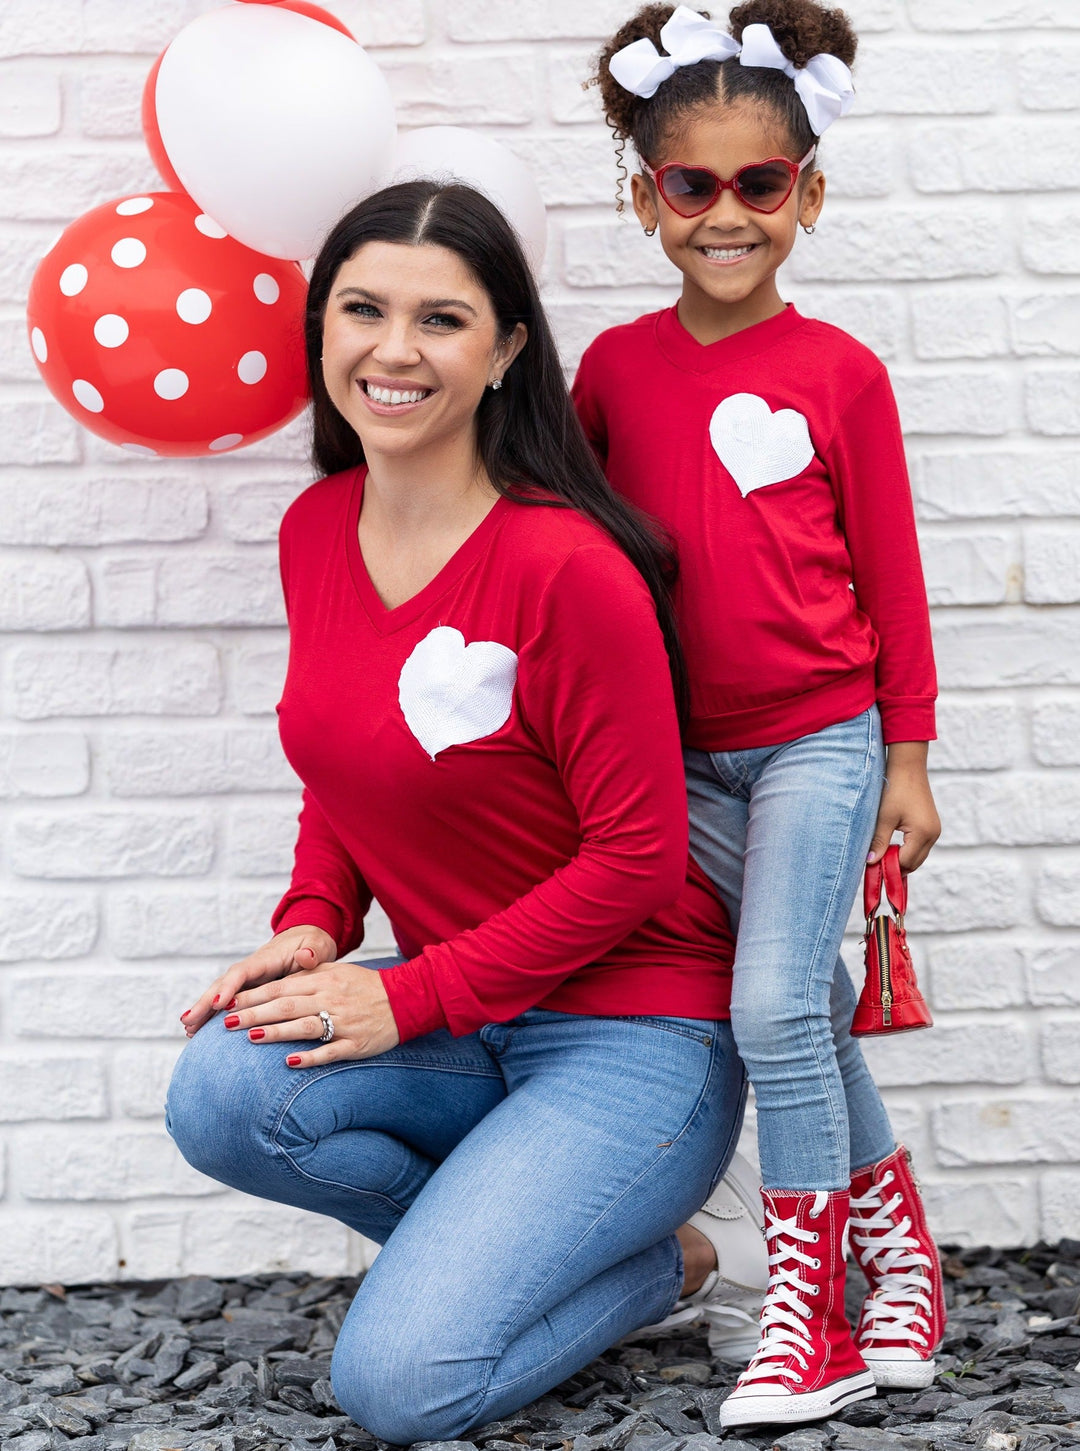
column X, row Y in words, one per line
column 881, row 931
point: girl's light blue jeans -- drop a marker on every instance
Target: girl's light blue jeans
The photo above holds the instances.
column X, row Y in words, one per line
column 525, row 1182
column 783, row 831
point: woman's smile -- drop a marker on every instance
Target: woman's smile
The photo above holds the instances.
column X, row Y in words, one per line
column 393, row 397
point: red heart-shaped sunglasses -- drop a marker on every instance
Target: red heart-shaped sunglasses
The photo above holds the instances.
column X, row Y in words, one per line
column 763, row 186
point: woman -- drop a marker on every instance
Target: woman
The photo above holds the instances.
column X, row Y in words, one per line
column 526, row 1108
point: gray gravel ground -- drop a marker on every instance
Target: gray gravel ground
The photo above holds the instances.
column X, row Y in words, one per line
column 242, row 1365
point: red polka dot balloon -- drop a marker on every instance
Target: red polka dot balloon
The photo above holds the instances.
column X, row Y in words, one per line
column 161, row 333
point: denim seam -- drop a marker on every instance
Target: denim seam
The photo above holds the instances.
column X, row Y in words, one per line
column 733, row 1137
column 730, row 787
column 507, row 1335
column 691, row 1034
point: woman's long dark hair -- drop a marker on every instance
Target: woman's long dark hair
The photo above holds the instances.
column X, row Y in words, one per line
column 528, row 434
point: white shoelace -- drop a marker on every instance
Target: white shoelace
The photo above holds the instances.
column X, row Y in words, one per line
column 899, row 1308
column 784, row 1313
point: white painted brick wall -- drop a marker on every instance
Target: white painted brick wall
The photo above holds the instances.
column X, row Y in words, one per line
column 148, row 813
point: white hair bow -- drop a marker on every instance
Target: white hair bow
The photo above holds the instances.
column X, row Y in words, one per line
column 823, row 85
column 687, row 37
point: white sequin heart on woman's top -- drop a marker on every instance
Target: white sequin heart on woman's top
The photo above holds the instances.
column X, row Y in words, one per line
column 757, row 446
column 451, row 693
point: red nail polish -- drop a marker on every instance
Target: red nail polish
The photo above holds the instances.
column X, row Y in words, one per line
column 293, row 1060
column 215, row 1002
column 232, row 1004
column 233, row 1020
column 185, row 1015
column 256, row 1033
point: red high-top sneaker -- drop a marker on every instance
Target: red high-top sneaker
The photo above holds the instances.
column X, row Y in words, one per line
column 903, row 1318
column 806, row 1365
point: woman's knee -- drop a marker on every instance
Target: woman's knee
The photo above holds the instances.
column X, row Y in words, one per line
column 211, row 1109
column 395, row 1376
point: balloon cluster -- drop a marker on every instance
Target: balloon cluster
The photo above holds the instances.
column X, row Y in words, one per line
column 171, row 323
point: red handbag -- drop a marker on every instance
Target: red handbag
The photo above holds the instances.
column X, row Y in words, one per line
column 890, row 1001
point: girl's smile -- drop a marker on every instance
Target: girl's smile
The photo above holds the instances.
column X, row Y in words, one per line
column 728, row 256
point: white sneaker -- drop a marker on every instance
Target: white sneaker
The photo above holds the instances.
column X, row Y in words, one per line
column 731, row 1219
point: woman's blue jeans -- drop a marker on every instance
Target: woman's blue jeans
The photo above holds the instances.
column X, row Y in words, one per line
column 783, row 832
column 525, row 1182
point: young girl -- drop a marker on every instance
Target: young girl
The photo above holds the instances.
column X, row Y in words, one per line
column 769, row 446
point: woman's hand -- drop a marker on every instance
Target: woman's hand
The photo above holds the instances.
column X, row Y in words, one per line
column 287, row 1010
column 290, row 951
column 907, row 805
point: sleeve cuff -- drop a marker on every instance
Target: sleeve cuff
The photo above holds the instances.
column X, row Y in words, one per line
column 312, row 912
column 413, row 999
column 907, row 720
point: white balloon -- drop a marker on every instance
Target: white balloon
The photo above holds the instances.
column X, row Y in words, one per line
column 451, row 153
column 275, row 123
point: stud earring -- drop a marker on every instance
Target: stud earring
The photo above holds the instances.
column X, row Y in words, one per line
column 496, row 384
column 809, row 230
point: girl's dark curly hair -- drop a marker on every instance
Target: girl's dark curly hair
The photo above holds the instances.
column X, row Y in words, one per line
column 801, row 28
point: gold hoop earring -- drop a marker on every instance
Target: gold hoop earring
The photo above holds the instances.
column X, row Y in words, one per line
column 650, row 231
column 809, row 230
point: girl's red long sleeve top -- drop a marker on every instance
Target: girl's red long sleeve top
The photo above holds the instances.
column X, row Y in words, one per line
column 774, row 457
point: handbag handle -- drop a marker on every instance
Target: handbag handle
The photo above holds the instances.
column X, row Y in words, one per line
column 887, row 869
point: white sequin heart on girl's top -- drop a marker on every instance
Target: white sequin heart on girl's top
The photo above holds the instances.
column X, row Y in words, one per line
column 451, row 693
column 757, row 446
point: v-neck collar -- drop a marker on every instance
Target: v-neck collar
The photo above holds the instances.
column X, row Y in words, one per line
column 681, row 348
column 386, row 620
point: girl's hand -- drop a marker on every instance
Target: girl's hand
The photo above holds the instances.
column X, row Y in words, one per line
column 907, row 805
column 290, row 951
column 283, row 1011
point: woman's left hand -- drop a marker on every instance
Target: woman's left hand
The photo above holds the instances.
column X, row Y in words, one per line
column 907, row 806
column 288, row 1010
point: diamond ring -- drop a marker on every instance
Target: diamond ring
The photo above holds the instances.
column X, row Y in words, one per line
column 328, row 1027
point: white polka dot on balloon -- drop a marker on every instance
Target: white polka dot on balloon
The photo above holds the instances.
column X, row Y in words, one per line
column 193, row 305
column 266, row 288
column 111, row 330
column 227, row 440
column 128, row 252
column 208, row 227
column 73, row 279
column 171, row 383
column 39, row 345
column 134, row 205
column 86, row 394
column 140, row 449
column 252, row 367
